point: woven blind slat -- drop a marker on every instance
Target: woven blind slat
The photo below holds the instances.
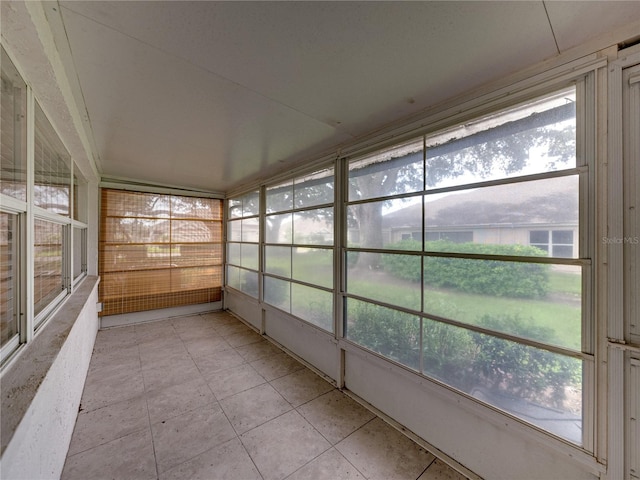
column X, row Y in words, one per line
column 158, row 251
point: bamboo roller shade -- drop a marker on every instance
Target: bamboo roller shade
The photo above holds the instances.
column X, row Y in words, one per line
column 158, row 251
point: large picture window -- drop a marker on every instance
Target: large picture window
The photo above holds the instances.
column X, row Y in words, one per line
column 298, row 255
column 243, row 235
column 462, row 261
column 159, row 251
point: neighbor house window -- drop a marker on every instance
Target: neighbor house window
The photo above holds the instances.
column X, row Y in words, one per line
column 243, row 235
column 455, row 237
column 298, row 252
column 475, row 302
column 555, row 243
column 159, row 251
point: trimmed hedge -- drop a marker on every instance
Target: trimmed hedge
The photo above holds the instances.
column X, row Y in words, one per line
column 487, row 277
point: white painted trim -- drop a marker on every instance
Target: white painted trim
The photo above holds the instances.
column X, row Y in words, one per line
column 12, row 205
column 113, row 183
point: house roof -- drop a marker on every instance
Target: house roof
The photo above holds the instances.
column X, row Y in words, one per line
column 549, row 201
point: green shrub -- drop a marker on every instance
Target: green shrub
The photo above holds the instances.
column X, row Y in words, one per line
column 466, row 359
column 519, row 370
column 391, row 333
column 486, row 277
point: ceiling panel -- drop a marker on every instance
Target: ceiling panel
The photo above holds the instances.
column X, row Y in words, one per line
column 213, row 94
column 575, row 23
column 157, row 114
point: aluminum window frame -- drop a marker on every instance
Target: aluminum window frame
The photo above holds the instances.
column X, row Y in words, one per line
column 584, row 169
column 28, row 213
column 292, row 245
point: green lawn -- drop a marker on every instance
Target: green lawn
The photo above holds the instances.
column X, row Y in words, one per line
column 560, row 311
column 562, row 316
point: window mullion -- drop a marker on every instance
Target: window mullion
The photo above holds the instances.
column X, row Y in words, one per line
column 27, row 281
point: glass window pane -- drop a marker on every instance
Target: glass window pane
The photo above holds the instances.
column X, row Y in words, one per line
column 279, row 228
column 397, row 282
column 312, row 305
column 563, row 251
column 562, row 237
column 277, row 293
column 313, row 227
column 235, row 208
column 501, row 217
column 278, row 261
column 13, row 131
column 244, row 206
column 250, row 256
column 9, row 268
column 534, row 301
column 313, row 265
column 388, row 172
column 250, row 230
column 249, row 282
column 539, row 237
column 52, row 168
column 234, row 228
column 538, row 386
column 391, row 333
column 233, row 253
column 79, row 251
column 387, row 224
column 533, row 138
column 314, row 189
column 251, row 204
column 48, row 281
column 233, row 277
column 280, row 197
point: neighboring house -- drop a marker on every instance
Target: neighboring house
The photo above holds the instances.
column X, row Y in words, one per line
column 545, row 217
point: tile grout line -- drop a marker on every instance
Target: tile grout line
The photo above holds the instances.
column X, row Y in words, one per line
column 146, row 402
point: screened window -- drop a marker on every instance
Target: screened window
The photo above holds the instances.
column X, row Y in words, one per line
column 159, row 251
column 9, row 271
column 13, row 135
column 52, row 168
column 243, row 233
column 447, row 262
column 298, row 252
column 48, row 278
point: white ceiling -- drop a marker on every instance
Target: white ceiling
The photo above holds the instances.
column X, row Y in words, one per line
column 211, row 95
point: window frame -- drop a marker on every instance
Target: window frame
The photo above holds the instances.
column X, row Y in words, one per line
column 30, row 324
column 293, row 245
column 584, row 169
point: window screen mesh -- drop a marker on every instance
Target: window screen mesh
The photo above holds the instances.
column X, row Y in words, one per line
column 158, row 251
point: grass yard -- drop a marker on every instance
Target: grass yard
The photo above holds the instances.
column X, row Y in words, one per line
column 560, row 312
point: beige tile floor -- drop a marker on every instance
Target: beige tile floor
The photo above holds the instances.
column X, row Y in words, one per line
column 205, row 397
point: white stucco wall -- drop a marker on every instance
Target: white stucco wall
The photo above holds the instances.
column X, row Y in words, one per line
column 42, row 388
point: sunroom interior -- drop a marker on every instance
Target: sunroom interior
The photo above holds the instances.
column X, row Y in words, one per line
column 433, row 207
